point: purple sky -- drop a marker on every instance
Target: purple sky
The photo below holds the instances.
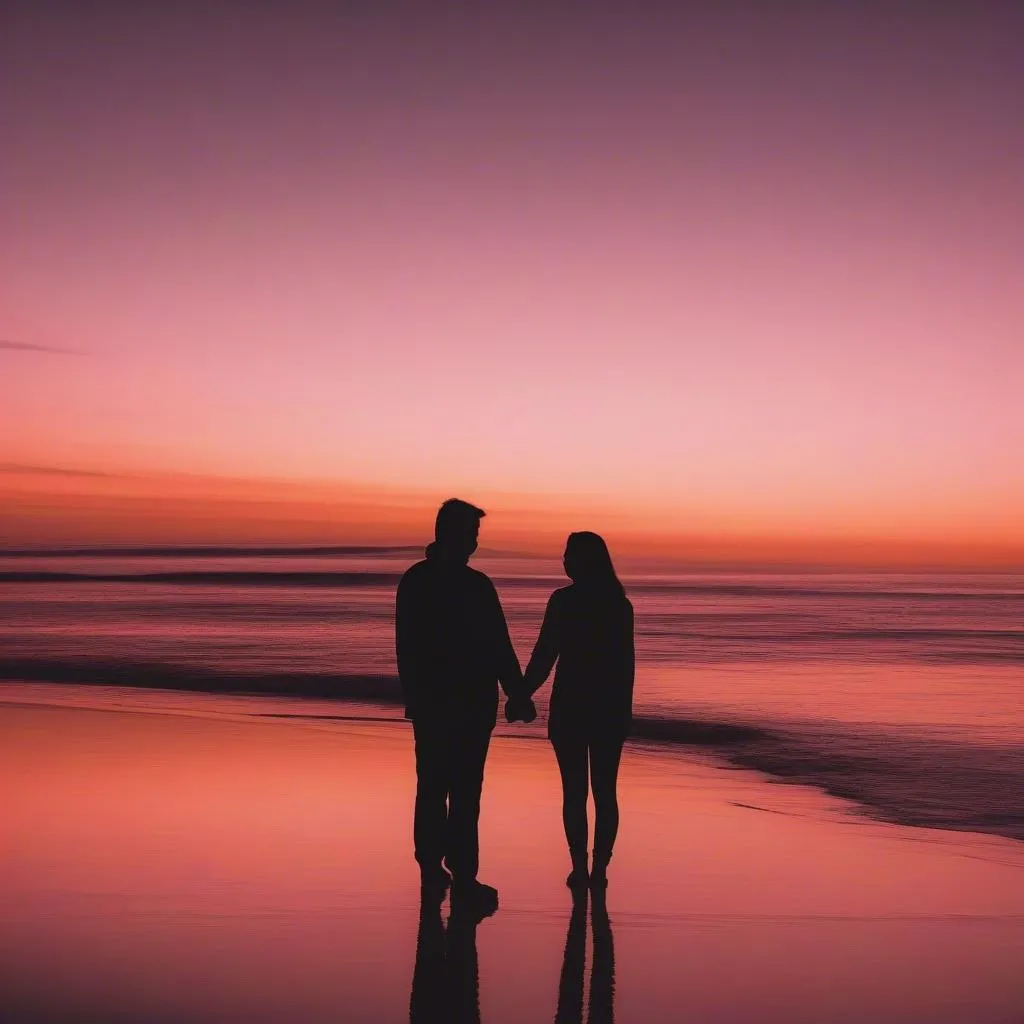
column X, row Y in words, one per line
column 731, row 269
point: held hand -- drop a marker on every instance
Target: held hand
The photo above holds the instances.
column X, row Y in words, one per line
column 520, row 709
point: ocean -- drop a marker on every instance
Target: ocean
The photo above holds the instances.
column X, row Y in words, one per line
column 903, row 692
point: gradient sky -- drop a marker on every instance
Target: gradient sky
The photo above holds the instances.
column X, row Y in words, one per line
column 733, row 272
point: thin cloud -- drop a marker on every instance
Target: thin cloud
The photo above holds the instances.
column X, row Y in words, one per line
column 24, row 346
column 20, row 469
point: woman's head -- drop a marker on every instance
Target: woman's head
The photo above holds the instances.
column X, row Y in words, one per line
column 588, row 561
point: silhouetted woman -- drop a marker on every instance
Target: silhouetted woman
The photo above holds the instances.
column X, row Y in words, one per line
column 588, row 629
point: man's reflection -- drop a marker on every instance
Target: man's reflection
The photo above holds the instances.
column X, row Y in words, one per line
column 602, row 976
column 446, row 978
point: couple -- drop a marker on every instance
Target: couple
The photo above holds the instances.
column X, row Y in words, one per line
column 453, row 649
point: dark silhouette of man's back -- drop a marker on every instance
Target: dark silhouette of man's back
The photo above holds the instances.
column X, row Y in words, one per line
column 453, row 648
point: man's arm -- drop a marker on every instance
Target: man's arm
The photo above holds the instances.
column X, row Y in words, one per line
column 408, row 644
column 510, row 673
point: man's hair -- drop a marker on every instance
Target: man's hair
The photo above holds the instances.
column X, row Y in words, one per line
column 454, row 516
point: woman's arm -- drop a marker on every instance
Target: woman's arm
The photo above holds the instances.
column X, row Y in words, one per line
column 629, row 662
column 545, row 652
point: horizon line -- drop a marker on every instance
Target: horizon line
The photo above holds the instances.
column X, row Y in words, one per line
column 667, row 559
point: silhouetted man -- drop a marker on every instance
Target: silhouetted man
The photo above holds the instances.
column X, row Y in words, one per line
column 453, row 648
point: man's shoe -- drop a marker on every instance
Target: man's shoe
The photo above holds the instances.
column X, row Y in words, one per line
column 474, row 898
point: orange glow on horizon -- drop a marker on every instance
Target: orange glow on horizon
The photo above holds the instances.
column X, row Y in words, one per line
column 89, row 507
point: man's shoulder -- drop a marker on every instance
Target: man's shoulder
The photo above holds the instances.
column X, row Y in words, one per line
column 426, row 573
column 479, row 579
column 416, row 571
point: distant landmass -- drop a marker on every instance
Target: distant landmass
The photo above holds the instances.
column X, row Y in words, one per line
column 213, row 551
column 237, row 551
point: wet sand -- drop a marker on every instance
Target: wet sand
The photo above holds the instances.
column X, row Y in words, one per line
column 218, row 866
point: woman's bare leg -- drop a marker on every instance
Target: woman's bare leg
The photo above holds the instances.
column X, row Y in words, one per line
column 605, row 754
column 571, row 752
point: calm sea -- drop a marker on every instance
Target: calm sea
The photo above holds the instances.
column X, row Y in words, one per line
column 904, row 692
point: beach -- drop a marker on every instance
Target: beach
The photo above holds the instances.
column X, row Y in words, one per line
column 900, row 691
column 657, row 364
column 184, row 857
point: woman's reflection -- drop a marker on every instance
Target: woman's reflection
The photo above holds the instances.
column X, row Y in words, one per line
column 602, row 976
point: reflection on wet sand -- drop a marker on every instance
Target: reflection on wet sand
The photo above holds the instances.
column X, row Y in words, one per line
column 601, row 1008
column 446, row 975
column 193, row 865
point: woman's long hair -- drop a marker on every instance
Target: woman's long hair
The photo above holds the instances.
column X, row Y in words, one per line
column 589, row 563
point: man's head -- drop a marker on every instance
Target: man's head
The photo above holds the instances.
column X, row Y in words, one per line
column 457, row 527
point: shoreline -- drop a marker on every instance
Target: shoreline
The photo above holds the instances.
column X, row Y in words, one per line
column 841, row 768
column 202, row 862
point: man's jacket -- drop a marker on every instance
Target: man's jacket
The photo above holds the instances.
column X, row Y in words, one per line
column 452, row 643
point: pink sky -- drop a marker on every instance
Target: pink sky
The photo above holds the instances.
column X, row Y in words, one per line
column 716, row 274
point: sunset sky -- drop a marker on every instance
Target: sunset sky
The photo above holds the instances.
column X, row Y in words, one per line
column 739, row 277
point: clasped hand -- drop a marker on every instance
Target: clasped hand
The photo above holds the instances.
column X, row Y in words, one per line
column 520, row 709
